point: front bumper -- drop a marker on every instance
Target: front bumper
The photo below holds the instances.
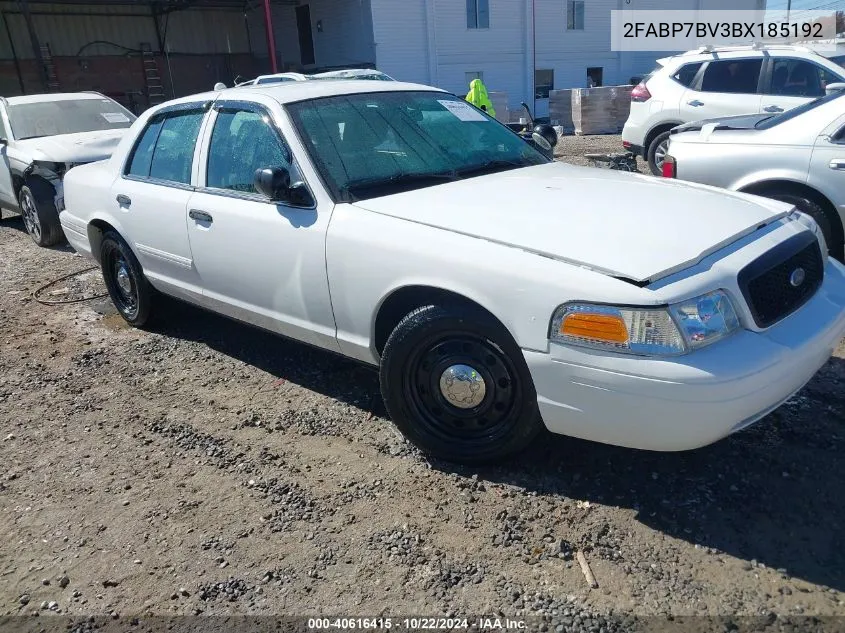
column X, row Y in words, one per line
column 689, row 401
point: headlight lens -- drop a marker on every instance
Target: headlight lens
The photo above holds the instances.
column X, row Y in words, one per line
column 680, row 328
column 705, row 319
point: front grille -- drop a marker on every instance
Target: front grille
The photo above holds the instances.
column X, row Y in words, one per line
column 774, row 285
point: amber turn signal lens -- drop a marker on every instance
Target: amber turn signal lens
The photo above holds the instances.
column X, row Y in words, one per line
column 600, row 327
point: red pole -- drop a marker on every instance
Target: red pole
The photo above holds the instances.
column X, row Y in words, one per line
column 271, row 41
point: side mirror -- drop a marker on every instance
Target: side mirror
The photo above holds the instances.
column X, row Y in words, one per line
column 835, row 87
column 274, row 183
column 4, row 141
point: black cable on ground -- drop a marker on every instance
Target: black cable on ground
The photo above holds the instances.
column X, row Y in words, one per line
column 50, row 302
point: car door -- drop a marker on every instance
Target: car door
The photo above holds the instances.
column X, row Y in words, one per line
column 827, row 164
column 151, row 198
column 725, row 87
column 792, row 81
column 7, row 191
column 259, row 261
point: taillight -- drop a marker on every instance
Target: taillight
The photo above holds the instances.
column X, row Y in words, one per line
column 669, row 167
column 640, row 93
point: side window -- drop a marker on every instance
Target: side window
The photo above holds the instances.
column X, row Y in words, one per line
column 174, row 151
column 737, row 76
column 686, row 74
column 242, row 142
column 142, row 155
column 165, row 150
column 797, row 78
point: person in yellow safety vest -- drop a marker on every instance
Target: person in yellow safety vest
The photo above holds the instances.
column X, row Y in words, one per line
column 477, row 96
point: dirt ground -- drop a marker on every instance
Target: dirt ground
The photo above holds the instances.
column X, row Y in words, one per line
column 204, row 467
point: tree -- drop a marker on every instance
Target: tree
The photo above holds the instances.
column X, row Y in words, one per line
column 840, row 21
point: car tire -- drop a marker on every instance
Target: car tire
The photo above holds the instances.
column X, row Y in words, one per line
column 39, row 213
column 457, row 386
column 656, row 151
column 815, row 211
column 128, row 287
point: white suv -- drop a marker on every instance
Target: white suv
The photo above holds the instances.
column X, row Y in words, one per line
column 716, row 82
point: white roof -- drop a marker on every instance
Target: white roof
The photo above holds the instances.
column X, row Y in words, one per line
column 293, row 91
column 58, row 96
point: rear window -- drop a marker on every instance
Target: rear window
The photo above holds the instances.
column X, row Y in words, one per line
column 687, row 73
column 777, row 119
column 839, row 60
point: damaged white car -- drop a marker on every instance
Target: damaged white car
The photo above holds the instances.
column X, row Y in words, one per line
column 41, row 137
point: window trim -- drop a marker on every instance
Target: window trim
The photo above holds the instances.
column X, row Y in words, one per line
column 478, row 26
column 199, row 106
column 574, row 21
column 239, row 105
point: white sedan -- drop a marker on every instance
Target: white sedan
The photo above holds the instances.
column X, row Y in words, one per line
column 797, row 156
column 497, row 291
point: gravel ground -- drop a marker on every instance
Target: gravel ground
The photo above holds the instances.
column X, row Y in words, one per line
column 204, row 467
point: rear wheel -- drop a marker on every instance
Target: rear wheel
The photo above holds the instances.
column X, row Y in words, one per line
column 656, row 153
column 39, row 213
column 457, row 386
column 815, row 211
column 128, row 288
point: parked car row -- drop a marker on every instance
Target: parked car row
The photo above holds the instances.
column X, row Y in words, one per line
column 497, row 292
column 714, row 82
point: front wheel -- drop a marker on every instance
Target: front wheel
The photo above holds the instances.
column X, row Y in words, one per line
column 128, row 288
column 457, row 386
column 40, row 217
column 815, row 211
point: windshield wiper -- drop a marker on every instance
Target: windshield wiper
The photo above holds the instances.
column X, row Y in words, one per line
column 397, row 180
column 490, row 167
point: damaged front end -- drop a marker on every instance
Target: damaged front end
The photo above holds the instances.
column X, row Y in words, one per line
column 53, row 173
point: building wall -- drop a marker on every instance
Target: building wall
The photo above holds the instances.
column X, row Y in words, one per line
column 114, row 29
column 346, row 38
column 427, row 41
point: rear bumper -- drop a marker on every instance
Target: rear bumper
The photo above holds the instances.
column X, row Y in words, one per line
column 693, row 400
column 77, row 233
column 637, row 150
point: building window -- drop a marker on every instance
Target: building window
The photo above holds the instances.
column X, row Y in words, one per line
column 575, row 15
column 595, row 77
column 544, row 82
column 474, row 75
column 478, row 14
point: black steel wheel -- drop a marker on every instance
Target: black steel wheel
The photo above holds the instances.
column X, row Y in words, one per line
column 128, row 288
column 456, row 385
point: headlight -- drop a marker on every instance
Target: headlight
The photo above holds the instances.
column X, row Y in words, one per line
column 798, row 216
column 680, row 328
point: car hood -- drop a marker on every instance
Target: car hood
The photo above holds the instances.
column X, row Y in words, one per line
column 741, row 122
column 85, row 147
column 626, row 225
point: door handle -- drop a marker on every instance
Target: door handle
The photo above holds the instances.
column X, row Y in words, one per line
column 200, row 216
column 695, row 103
column 124, row 201
column 772, row 108
column 837, row 163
